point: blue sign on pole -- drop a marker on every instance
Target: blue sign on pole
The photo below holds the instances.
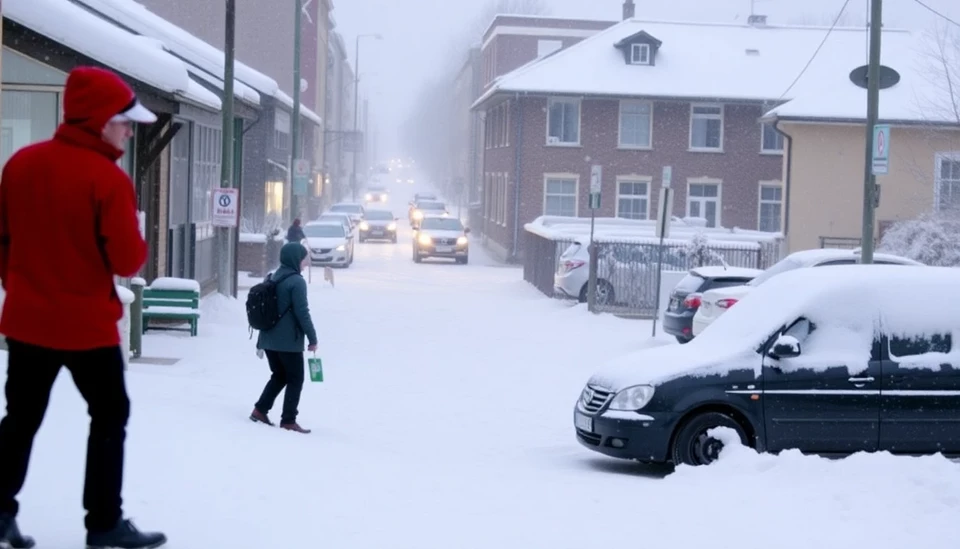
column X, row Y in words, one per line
column 881, row 149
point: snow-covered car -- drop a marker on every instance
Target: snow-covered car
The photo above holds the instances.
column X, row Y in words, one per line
column 355, row 211
column 621, row 273
column 329, row 243
column 440, row 236
column 425, row 208
column 826, row 361
column 685, row 296
column 378, row 225
column 714, row 303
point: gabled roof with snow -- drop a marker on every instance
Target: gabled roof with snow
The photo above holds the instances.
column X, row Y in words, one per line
column 733, row 62
column 304, row 111
column 138, row 57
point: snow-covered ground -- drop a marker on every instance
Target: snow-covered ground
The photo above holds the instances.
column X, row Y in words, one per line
column 445, row 423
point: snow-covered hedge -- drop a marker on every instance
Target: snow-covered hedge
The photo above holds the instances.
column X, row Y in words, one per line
column 931, row 239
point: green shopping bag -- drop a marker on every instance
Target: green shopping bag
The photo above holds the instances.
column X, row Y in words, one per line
column 316, row 369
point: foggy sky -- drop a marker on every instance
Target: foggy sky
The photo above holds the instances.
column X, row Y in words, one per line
column 418, row 35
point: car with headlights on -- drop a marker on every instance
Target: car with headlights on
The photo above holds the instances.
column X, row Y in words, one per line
column 329, row 243
column 378, row 225
column 376, row 194
column 440, row 236
column 354, row 210
column 426, row 208
column 343, row 218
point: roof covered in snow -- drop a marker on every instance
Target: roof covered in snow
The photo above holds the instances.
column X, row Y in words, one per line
column 734, row 62
column 304, row 111
column 140, row 58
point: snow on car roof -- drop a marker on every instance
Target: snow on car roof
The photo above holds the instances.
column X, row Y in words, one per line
column 810, row 257
column 325, row 223
column 846, row 302
column 719, row 271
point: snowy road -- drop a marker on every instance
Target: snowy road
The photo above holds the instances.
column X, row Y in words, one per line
column 445, row 423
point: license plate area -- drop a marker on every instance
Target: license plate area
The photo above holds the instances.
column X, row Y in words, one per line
column 444, row 249
column 583, row 422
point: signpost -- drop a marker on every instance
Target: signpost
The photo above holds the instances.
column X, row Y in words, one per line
column 663, row 231
column 226, row 208
column 301, row 176
column 881, row 149
column 596, row 184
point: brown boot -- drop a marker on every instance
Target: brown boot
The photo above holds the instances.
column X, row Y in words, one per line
column 257, row 417
column 294, row 427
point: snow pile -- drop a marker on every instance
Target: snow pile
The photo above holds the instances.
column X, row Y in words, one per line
column 931, row 239
column 175, row 284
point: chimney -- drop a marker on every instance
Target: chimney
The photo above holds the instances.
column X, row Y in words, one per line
column 629, row 10
column 757, row 21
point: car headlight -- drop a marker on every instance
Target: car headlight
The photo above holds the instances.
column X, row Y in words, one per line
column 632, row 399
column 341, row 248
column 364, row 226
column 392, row 227
column 462, row 241
column 425, row 239
column 383, row 198
column 369, row 197
column 418, row 214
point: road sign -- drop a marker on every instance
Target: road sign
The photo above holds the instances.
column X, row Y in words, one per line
column 881, row 149
column 301, row 176
column 226, row 208
column 596, row 185
column 667, row 175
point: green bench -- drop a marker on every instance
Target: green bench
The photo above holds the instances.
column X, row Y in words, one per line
column 171, row 304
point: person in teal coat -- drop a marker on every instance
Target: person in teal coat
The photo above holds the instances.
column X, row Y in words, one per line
column 283, row 344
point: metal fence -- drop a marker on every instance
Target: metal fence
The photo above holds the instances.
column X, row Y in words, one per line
column 627, row 271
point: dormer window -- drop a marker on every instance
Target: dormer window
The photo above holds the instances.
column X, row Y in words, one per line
column 640, row 54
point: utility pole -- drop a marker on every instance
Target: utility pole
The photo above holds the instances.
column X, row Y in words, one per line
column 295, row 123
column 356, row 115
column 873, row 107
column 225, row 274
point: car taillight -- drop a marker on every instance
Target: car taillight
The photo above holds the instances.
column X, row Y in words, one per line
column 726, row 303
column 570, row 265
column 692, row 301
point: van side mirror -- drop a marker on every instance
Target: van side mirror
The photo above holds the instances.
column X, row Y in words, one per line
column 786, row 346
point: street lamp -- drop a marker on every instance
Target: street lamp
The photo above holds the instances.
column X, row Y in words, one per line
column 356, row 107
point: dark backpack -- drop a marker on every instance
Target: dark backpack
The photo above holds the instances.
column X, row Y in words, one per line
column 263, row 313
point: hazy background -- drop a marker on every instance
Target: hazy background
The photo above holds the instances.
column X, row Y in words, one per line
column 423, row 38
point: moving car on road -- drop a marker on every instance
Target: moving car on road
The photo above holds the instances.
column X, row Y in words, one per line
column 343, row 218
column 426, row 208
column 440, row 236
column 378, row 225
column 354, row 210
column 329, row 243
column 376, row 194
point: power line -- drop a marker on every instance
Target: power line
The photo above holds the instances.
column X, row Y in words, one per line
column 817, row 51
column 937, row 13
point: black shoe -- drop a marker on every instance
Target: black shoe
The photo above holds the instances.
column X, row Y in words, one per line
column 125, row 536
column 11, row 536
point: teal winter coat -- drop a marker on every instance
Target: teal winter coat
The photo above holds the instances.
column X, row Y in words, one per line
column 295, row 323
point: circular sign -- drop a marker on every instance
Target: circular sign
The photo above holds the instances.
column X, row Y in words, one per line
column 225, row 200
column 888, row 77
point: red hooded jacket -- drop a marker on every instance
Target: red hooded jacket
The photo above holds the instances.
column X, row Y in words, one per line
column 68, row 224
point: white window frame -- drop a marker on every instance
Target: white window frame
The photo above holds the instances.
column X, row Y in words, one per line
column 764, row 127
column 620, row 143
column 761, row 201
column 505, row 185
column 546, row 46
column 706, row 181
column 550, row 102
column 634, row 179
column 694, row 115
column 575, row 177
column 939, row 159
column 640, row 54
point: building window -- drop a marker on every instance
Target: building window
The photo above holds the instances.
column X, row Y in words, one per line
column 206, row 171
column 640, row 54
column 703, row 200
column 281, row 130
column 560, row 196
column 546, row 47
column 636, row 124
column 633, row 198
column 771, row 140
column 771, row 207
column 947, row 182
column 273, row 197
column 706, row 127
column 563, row 122
column 28, row 117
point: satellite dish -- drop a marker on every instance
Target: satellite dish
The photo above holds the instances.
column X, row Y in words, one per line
column 888, row 77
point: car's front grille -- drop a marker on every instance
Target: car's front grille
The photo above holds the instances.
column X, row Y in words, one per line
column 322, row 250
column 592, row 439
column 593, row 398
column 445, row 241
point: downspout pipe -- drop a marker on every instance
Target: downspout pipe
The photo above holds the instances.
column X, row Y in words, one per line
column 518, row 148
column 787, row 176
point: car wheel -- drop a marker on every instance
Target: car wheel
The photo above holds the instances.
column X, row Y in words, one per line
column 463, row 260
column 683, row 340
column 693, row 446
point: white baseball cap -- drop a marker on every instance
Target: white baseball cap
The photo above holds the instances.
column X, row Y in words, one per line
column 135, row 112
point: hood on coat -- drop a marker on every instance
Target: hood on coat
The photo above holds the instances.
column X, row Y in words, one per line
column 291, row 255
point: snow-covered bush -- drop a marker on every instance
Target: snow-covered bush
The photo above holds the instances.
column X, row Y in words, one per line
column 699, row 252
column 931, row 239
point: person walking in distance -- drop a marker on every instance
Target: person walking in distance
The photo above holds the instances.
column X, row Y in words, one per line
column 295, row 232
column 65, row 314
column 283, row 344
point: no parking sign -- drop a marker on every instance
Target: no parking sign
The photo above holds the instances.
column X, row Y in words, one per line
column 225, row 207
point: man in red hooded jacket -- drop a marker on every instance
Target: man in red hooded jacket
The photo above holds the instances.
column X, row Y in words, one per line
column 61, row 306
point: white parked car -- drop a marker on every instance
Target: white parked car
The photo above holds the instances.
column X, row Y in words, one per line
column 714, row 303
column 329, row 243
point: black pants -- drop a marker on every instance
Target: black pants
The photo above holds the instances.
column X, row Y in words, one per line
column 287, row 371
column 99, row 377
